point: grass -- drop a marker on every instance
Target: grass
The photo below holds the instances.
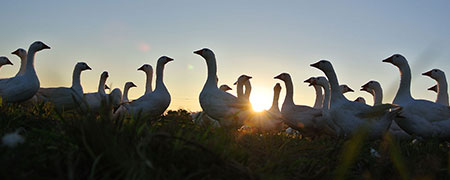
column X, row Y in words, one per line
column 82, row 146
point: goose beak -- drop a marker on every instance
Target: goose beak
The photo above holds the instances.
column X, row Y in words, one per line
column 45, row 46
column 388, row 60
column 88, row 68
column 169, row 59
column 133, row 85
column 249, row 77
column 9, row 62
column 141, row 68
column 229, row 89
column 432, row 88
column 107, row 87
column 350, row 90
column 316, row 65
column 277, row 77
column 16, row 52
column 199, row 52
column 235, row 83
column 427, row 73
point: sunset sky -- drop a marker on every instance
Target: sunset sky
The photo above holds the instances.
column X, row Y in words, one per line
column 260, row 39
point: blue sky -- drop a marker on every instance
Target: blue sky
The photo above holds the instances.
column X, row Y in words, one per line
column 258, row 38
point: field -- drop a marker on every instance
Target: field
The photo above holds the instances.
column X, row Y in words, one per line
column 82, row 146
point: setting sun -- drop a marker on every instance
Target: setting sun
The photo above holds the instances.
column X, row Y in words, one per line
column 260, row 101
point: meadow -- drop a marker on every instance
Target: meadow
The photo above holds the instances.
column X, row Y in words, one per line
column 73, row 145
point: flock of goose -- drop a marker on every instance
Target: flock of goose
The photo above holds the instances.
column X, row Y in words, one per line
column 332, row 114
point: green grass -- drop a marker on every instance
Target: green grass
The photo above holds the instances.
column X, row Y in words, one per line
column 75, row 146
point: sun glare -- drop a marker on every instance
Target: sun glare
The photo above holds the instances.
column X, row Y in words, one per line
column 260, row 102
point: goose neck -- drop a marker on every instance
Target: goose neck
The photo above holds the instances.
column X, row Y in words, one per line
column 326, row 101
column 248, row 89
column 276, row 97
column 404, row 91
column 159, row 76
column 289, row 91
column 148, row 83
column 377, row 95
column 23, row 65
column 319, row 96
column 442, row 91
column 240, row 90
column 76, row 84
column 125, row 94
column 212, row 72
column 29, row 69
column 101, row 86
column 336, row 94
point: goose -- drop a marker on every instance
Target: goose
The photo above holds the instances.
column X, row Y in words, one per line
column 203, row 119
column 350, row 115
column 439, row 76
column 361, row 100
column 153, row 104
column 22, row 88
column 434, row 89
column 299, row 117
column 4, row 61
column 148, row 69
column 418, row 117
column 243, row 98
column 22, row 53
column 374, row 88
column 128, row 86
column 225, row 87
column 219, row 105
column 94, row 100
column 65, row 98
column 319, row 96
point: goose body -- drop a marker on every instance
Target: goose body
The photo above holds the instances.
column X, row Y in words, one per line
column 351, row 116
column 442, row 89
column 203, row 119
column 152, row 104
column 94, row 100
column 128, row 86
column 299, row 117
column 4, row 61
column 420, row 117
column 218, row 104
column 22, row 53
column 65, row 98
column 24, row 87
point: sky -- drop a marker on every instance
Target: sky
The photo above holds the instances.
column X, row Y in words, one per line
column 258, row 38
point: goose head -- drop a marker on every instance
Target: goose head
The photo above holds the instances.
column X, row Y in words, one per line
column 146, row 68
column 164, row 60
column 277, row 87
column 321, row 81
column 37, row 46
column 310, row 81
column 130, row 85
column 344, row 88
column 22, row 53
column 82, row 66
column 242, row 79
column 284, row 77
column 225, row 87
column 361, row 100
column 205, row 53
column 370, row 86
column 4, row 61
column 323, row 65
column 435, row 74
column 397, row 60
column 434, row 88
column 107, row 87
column 104, row 75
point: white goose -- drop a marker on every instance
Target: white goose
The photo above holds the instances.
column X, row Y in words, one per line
column 374, row 88
column 203, row 119
column 22, row 53
column 22, row 88
column 4, row 61
column 299, row 117
column 128, row 86
column 420, row 117
column 350, row 115
column 148, row 69
column 331, row 128
column 442, row 90
column 153, row 104
column 65, row 98
column 94, row 100
column 243, row 98
column 318, row 103
column 345, row 89
column 216, row 103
